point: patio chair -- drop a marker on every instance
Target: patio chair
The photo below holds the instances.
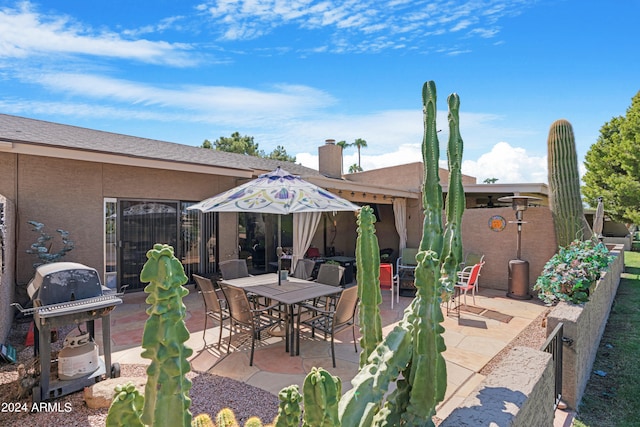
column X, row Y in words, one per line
column 390, row 282
column 304, row 269
column 215, row 306
column 467, row 281
column 333, row 320
column 406, row 262
column 233, row 269
column 470, row 260
column 248, row 319
column 330, row 274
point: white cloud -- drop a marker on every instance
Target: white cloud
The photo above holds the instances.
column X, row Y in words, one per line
column 218, row 102
column 508, row 164
column 358, row 22
column 25, row 33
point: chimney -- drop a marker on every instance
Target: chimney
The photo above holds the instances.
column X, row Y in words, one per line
column 330, row 159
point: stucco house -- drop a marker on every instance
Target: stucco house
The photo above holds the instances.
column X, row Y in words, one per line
column 117, row 195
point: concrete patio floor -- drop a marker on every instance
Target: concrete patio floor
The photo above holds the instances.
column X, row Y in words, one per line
column 472, row 341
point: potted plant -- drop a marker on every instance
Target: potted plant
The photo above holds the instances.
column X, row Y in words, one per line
column 572, row 272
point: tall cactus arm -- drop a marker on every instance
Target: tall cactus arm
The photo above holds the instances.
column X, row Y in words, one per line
column 432, row 191
column 167, row 390
column 368, row 268
column 452, row 250
column 428, row 376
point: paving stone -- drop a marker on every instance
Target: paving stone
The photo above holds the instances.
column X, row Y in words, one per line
column 100, row 395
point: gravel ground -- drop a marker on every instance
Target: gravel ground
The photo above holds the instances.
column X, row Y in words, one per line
column 209, row 393
column 532, row 336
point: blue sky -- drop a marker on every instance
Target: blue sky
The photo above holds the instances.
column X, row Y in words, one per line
column 297, row 72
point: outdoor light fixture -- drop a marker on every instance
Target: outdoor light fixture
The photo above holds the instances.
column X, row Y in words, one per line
column 518, row 268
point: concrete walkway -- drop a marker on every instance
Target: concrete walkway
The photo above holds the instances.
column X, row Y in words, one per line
column 472, row 340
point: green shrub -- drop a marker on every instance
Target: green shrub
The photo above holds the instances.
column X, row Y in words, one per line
column 571, row 272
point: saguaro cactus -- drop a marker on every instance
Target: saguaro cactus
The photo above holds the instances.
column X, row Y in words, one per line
column 564, row 185
column 166, row 394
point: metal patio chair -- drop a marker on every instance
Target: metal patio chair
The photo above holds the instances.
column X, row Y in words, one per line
column 214, row 304
column 332, row 321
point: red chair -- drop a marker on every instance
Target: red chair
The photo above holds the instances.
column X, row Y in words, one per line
column 467, row 281
column 389, row 281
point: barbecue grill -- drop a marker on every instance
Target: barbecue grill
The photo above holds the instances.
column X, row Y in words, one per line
column 67, row 293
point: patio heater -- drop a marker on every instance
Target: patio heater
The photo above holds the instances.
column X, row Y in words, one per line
column 518, row 268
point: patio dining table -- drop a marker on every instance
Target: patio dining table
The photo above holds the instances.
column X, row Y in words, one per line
column 289, row 292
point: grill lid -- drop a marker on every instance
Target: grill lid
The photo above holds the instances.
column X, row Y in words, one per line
column 62, row 282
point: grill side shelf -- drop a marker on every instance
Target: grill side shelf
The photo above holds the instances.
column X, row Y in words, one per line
column 63, row 308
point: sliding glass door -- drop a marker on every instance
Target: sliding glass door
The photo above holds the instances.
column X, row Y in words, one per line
column 132, row 227
column 143, row 224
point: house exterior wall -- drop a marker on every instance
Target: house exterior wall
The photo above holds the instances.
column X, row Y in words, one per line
column 69, row 195
column 538, row 243
column 7, row 268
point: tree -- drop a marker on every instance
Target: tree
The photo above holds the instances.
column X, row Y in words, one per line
column 281, row 154
column 359, row 143
column 343, row 145
column 490, row 180
column 237, row 144
column 246, row 145
column 613, row 167
column 355, row 168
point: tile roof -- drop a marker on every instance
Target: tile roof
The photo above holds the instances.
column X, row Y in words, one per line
column 38, row 132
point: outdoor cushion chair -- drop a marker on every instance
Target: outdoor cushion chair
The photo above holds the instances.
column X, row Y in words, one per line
column 406, row 262
column 246, row 318
column 233, row 269
column 332, row 321
column 304, row 269
column 467, row 281
column 215, row 306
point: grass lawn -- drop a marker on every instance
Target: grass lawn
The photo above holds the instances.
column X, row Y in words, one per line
column 612, row 395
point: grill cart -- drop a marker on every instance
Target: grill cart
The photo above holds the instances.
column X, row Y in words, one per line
column 68, row 293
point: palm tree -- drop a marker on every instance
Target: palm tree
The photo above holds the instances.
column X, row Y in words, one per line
column 360, row 143
column 355, row 168
column 343, row 145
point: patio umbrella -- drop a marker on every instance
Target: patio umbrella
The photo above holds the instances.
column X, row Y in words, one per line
column 598, row 220
column 277, row 192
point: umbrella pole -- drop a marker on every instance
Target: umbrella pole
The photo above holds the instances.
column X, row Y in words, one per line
column 279, row 251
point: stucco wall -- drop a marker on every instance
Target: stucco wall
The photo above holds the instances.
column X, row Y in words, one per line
column 584, row 325
column 511, row 395
column 7, row 269
column 68, row 194
column 538, row 242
